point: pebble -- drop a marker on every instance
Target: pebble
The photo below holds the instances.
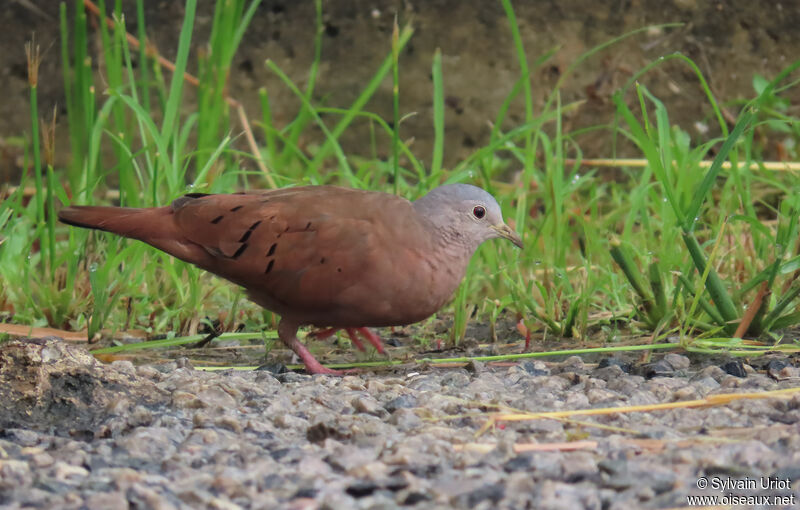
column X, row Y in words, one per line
column 249, row 440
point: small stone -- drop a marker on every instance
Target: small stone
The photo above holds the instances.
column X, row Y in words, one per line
column 775, row 366
column 788, row 372
column 521, row 462
column 401, row 402
column 677, row 361
column 393, row 341
column 42, row 460
column 64, row 472
column 475, row 367
column 415, row 497
column 405, row 419
column 290, row 421
column 107, row 501
column 573, row 364
column 612, row 361
column 229, row 422
column 229, row 486
column 368, row 405
column 22, row 437
column 13, row 472
column 362, row 488
column 216, row 396
column 735, row 368
column 184, row 362
column 660, row 368
column 686, row 393
column 711, row 371
column 185, row 400
column 274, row 368
column 141, row 496
column 456, row 379
column 319, row 432
column 535, row 368
column 291, row 377
column 223, row 504
column 124, row 366
column 491, row 492
column 148, row 372
column 375, row 386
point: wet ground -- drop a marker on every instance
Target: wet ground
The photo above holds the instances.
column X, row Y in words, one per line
column 75, row 433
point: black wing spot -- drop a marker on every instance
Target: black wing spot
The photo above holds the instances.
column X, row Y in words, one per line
column 271, row 251
column 236, row 208
column 339, row 269
column 287, row 228
column 241, row 250
column 322, row 260
column 269, row 266
column 217, row 219
column 250, row 230
column 308, row 225
column 196, row 195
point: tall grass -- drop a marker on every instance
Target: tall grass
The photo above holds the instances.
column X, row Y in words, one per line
column 668, row 250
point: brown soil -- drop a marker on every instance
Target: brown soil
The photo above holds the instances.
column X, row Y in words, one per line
column 730, row 40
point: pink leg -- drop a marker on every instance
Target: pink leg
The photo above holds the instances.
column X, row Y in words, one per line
column 324, row 333
column 372, row 338
column 351, row 332
column 368, row 335
column 287, row 332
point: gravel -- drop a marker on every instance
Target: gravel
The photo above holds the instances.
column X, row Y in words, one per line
column 75, row 433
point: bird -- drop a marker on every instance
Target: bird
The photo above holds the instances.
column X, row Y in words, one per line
column 322, row 255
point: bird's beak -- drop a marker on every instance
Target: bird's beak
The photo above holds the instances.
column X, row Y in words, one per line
column 506, row 232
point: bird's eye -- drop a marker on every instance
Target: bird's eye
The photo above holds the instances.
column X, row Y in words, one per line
column 479, row 211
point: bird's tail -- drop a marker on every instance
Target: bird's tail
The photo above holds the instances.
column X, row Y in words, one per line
column 155, row 226
column 147, row 224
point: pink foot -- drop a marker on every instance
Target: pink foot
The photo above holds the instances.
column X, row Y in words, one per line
column 312, row 365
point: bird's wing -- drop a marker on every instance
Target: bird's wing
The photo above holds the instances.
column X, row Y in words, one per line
column 307, row 249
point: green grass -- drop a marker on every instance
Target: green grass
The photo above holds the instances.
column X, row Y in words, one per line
column 670, row 250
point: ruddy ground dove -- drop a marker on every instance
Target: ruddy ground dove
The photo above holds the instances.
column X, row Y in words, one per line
column 322, row 255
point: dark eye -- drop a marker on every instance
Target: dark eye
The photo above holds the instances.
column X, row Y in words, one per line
column 479, row 211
